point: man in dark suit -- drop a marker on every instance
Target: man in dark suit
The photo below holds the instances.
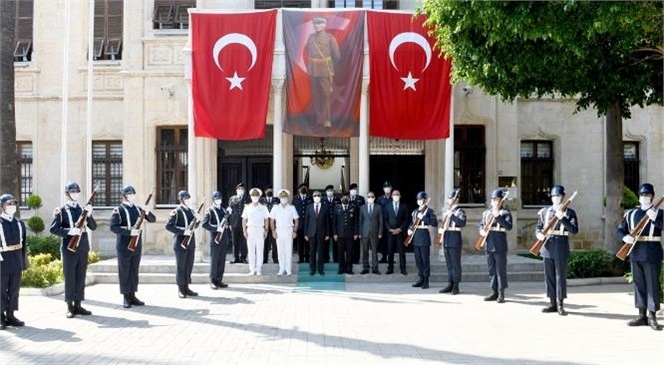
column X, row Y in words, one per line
column 344, row 230
column 330, row 201
column 357, row 201
column 384, row 200
column 301, row 201
column 371, row 230
column 270, row 243
column 316, row 232
column 397, row 220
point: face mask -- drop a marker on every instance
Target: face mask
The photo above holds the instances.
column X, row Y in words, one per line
column 303, row 191
column 131, row 197
column 387, row 191
column 371, row 199
column 217, row 202
column 556, row 200
column 283, row 201
column 317, row 199
column 10, row 209
column 255, row 199
column 74, row 196
column 396, row 198
column 329, row 194
column 645, row 201
column 186, row 201
column 494, row 204
column 420, row 202
column 353, row 192
column 239, row 192
column 269, row 194
column 344, row 201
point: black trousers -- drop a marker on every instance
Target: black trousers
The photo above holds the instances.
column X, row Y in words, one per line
column 270, row 244
column 74, row 265
column 344, row 254
column 302, row 246
column 453, row 262
column 497, row 262
column 184, row 264
column 326, row 250
column 646, row 284
column 128, row 266
column 395, row 244
column 383, row 244
column 239, row 245
column 10, row 284
column 555, row 278
column 218, row 260
column 356, row 251
column 316, row 261
column 335, row 249
column 422, row 260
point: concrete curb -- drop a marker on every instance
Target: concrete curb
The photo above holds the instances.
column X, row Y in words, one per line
column 597, row 281
column 56, row 289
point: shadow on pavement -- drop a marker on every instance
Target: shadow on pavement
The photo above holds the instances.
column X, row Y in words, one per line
column 46, row 334
column 115, row 322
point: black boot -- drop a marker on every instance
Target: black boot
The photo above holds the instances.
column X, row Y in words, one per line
column 222, row 284
column 492, row 297
column 501, row 296
column 13, row 321
column 425, row 284
column 80, row 310
column 127, row 301
column 641, row 320
column 189, row 292
column 652, row 321
column 455, row 288
column 552, row 308
column 182, row 293
column 71, row 310
column 561, row 309
column 135, row 301
column 419, row 282
column 3, row 322
column 448, row 288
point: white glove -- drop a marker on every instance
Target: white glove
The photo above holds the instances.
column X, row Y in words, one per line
column 628, row 239
column 483, row 233
column 540, row 236
column 74, row 231
column 198, row 217
column 220, row 228
column 495, row 213
column 187, row 232
column 229, row 210
column 88, row 208
column 560, row 215
column 447, row 212
column 1, row 258
column 146, row 209
column 652, row 214
column 441, row 231
column 410, row 232
column 135, row 232
column 420, row 215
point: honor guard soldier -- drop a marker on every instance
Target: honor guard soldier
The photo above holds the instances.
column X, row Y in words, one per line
column 235, row 208
column 330, row 201
column 422, row 239
column 13, row 258
column 179, row 223
column 124, row 220
column 453, row 219
column 269, row 201
column 284, row 222
column 74, row 264
column 397, row 220
column 255, row 221
column 356, row 201
column 384, row 201
column 301, row 201
column 556, row 248
column 646, row 257
column 215, row 223
column 496, row 245
column 345, row 230
column 316, row 231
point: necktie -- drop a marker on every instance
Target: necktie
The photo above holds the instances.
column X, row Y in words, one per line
column 370, row 209
column 316, row 210
column 396, row 208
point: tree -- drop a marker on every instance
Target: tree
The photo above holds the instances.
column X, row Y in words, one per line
column 8, row 169
column 605, row 55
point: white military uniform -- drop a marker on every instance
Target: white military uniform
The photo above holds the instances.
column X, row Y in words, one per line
column 255, row 216
column 283, row 216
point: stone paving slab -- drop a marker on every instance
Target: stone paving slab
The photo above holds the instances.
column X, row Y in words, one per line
column 367, row 323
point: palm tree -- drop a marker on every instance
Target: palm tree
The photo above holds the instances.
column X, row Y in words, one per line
column 8, row 168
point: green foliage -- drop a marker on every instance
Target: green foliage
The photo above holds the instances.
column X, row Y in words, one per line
column 44, row 245
column 42, row 272
column 589, row 264
column 630, row 200
column 36, row 224
column 93, row 257
column 530, row 256
column 34, row 201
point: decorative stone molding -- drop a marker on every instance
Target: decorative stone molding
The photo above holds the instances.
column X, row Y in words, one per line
column 24, row 83
column 165, row 52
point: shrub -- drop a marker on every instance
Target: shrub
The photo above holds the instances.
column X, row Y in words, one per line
column 589, row 264
column 34, row 201
column 93, row 257
column 530, row 256
column 36, row 224
column 42, row 272
column 630, row 200
column 44, row 245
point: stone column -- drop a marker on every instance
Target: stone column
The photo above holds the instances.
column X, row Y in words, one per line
column 363, row 150
column 278, row 137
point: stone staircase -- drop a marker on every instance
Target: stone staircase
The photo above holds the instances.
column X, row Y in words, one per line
column 161, row 270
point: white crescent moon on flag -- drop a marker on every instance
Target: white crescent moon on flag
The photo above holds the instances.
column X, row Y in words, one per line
column 410, row 37
column 231, row 38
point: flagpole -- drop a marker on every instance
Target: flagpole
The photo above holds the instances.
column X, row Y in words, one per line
column 88, row 129
column 192, row 159
column 65, row 98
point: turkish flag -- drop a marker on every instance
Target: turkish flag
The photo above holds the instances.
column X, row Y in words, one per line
column 410, row 90
column 231, row 71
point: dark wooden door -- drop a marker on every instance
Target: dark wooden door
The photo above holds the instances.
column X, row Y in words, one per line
column 252, row 171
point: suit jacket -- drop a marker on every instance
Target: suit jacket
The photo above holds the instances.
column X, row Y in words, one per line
column 237, row 207
column 344, row 222
column 301, row 208
column 557, row 246
column 371, row 224
column 316, row 225
column 643, row 251
column 400, row 219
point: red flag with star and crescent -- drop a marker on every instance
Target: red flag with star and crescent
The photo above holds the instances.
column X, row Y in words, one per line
column 410, row 90
column 231, row 71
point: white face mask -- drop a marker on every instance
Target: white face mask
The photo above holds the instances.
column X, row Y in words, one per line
column 353, row 192
column 10, row 209
column 317, row 199
column 645, row 201
column 186, row 201
column 255, row 199
column 494, row 204
column 387, row 191
column 396, row 198
column 283, row 201
column 420, row 202
column 217, row 202
column 556, row 200
column 329, row 194
column 130, row 197
column 239, row 192
column 74, row 196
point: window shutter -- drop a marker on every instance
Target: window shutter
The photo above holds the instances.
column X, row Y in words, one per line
column 24, row 9
column 115, row 19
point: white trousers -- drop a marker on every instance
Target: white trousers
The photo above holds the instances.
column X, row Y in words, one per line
column 285, row 248
column 255, row 244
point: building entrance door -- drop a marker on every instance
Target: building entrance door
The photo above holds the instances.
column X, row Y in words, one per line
column 252, row 171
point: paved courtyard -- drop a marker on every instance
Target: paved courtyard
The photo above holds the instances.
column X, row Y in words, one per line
column 365, row 323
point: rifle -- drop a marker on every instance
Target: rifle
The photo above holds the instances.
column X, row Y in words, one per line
column 537, row 247
column 627, row 248
column 185, row 242
column 416, row 223
column 444, row 224
column 487, row 226
column 133, row 242
column 73, row 242
column 220, row 234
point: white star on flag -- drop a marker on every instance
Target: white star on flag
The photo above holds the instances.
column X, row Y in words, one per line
column 235, row 81
column 409, row 82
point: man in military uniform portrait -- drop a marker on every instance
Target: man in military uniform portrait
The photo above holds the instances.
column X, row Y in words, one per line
column 323, row 52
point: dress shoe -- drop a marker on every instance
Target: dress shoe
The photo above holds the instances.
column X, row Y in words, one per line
column 641, row 320
column 455, row 288
column 552, row 308
column 312, row 273
column 425, row 284
column 375, row 272
column 492, row 297
column 189, row 292
column 264, row 262
column 136, row 301
column 3, row 322
column 340, row 272
column 652, row 321
column 181, row 292
column 222, row 285
column 447, row 289
column 364, row 272
column 80, row 310
column 213, row 285
column 404, row 272
column 389, row 272
column 419, row 282
column 350, row 272
column 71, row 310
column 321, row 272
column 126, row 303
column 13, row 321
column 501, row 296
column 561, row 308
